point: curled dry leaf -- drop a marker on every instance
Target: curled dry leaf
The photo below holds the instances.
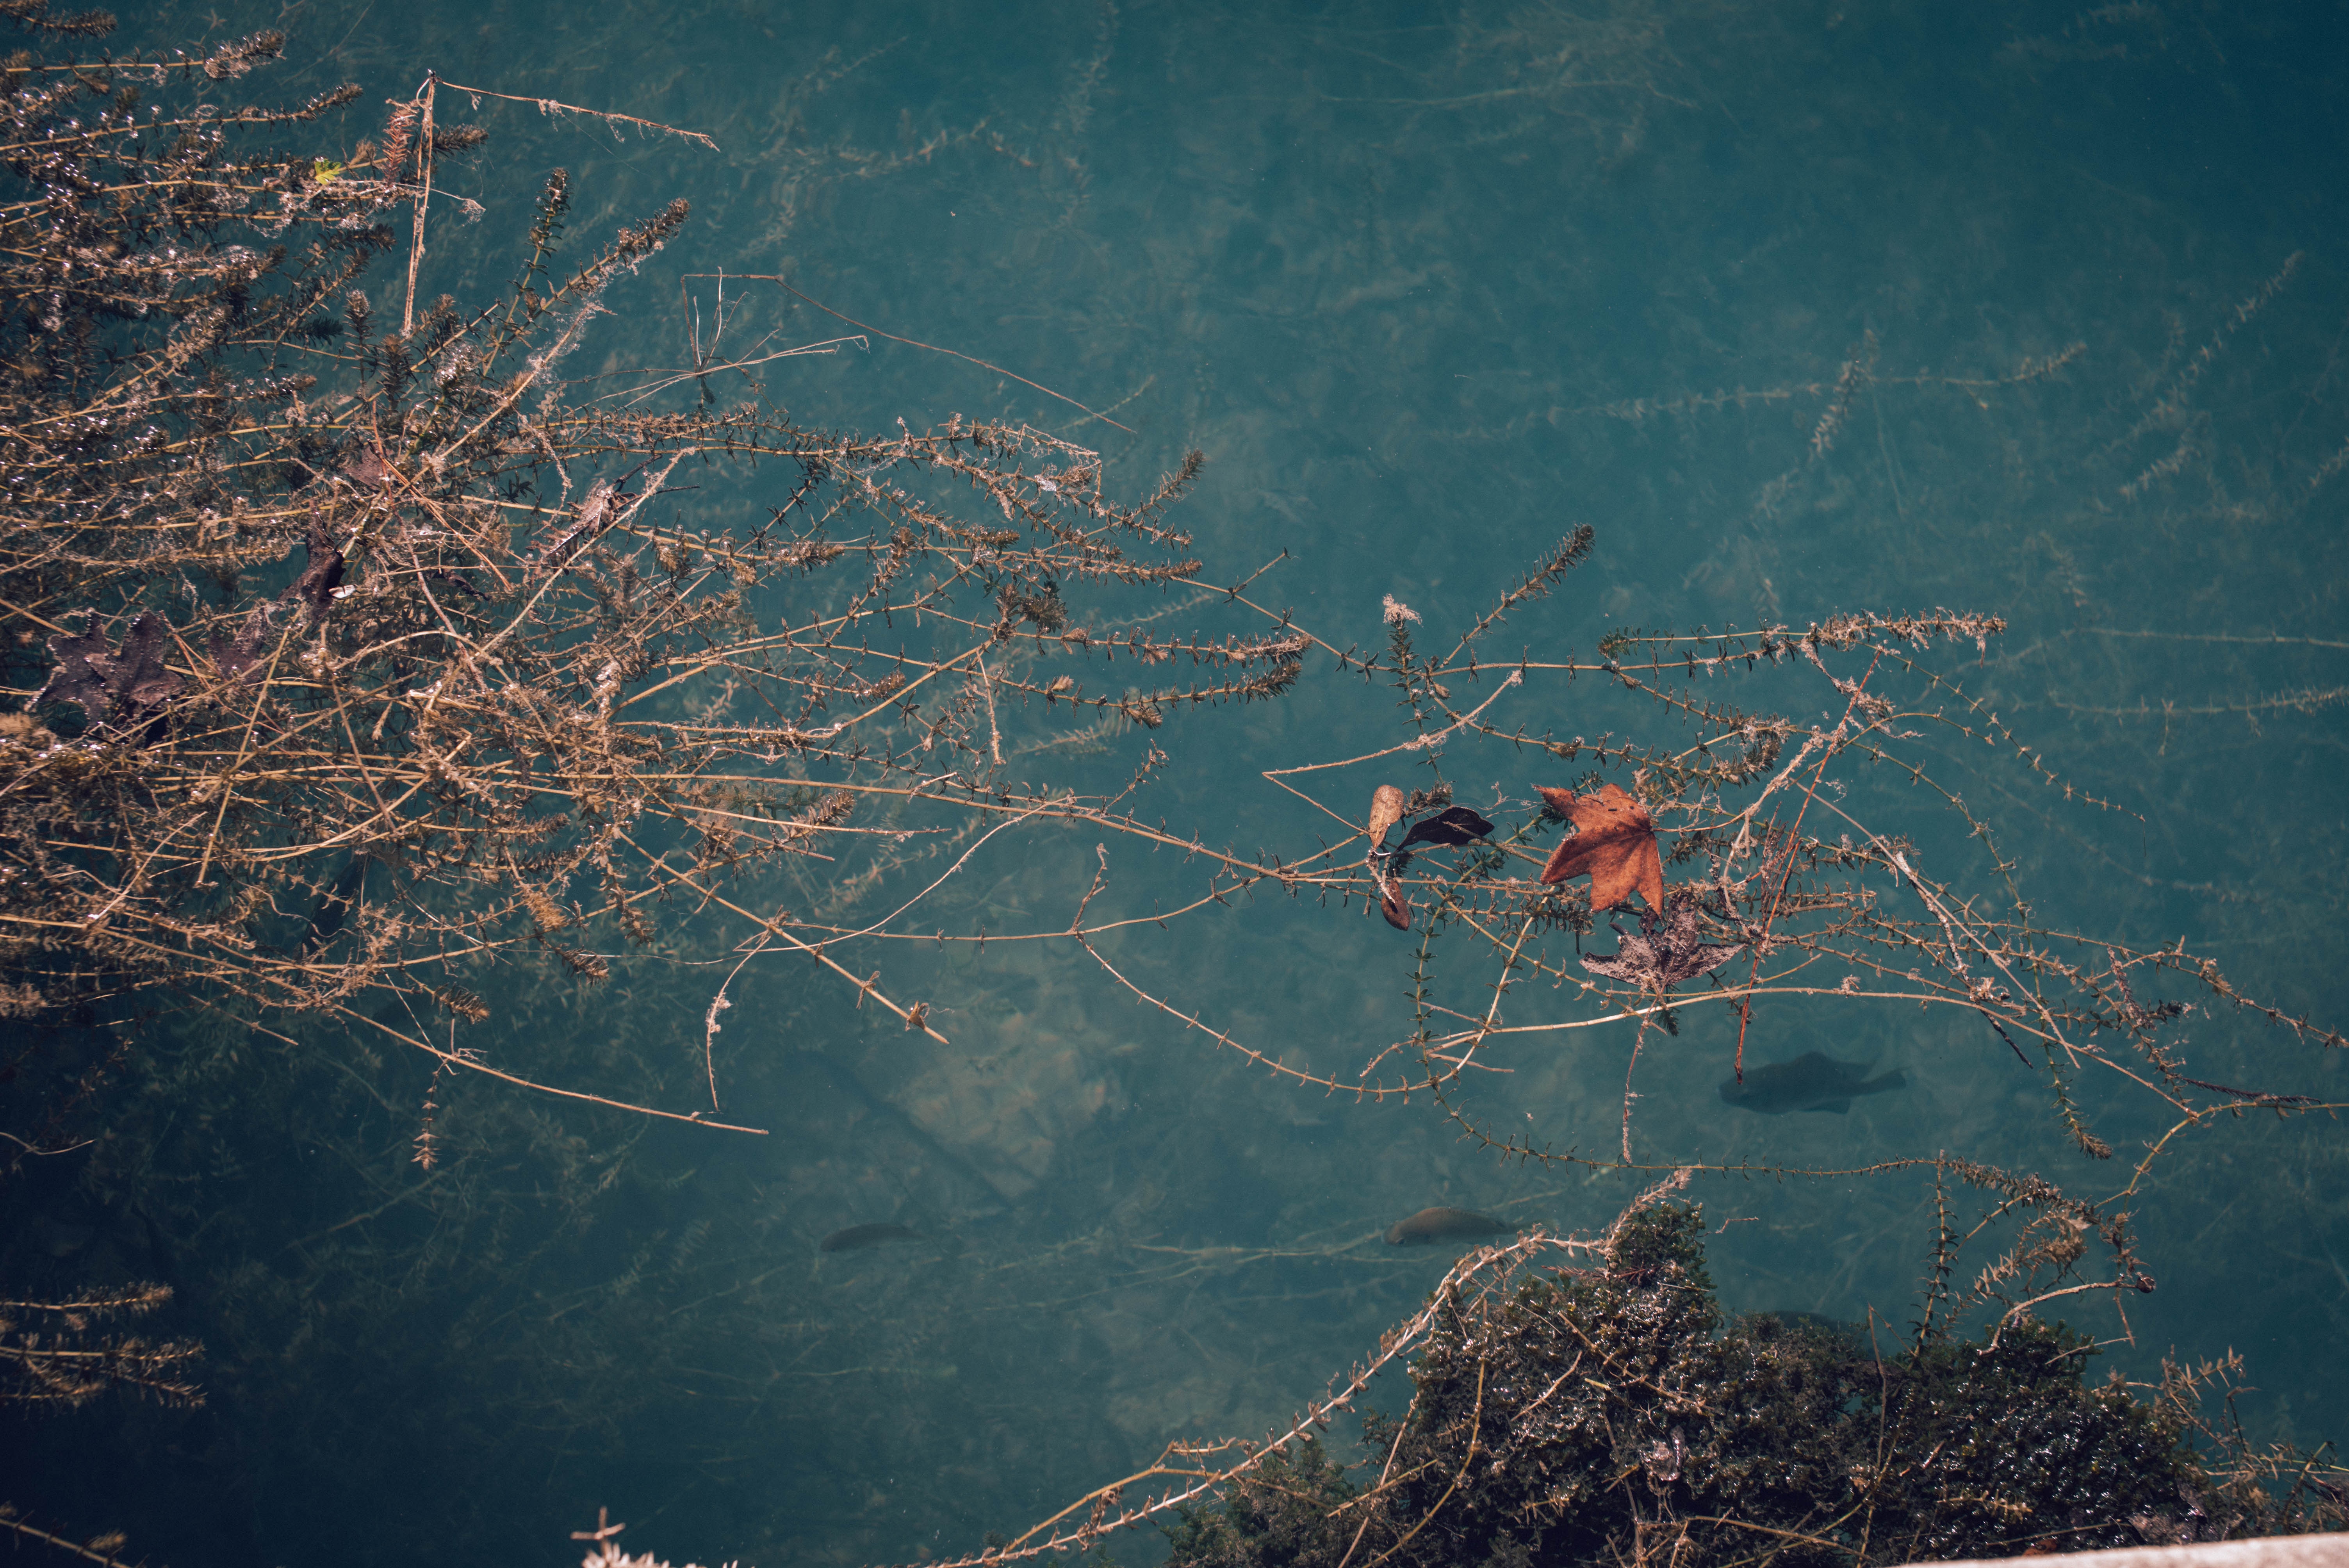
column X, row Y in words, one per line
column 1386, row 811
column 1395, row 907
column 1455, row 825
column 1614, row 841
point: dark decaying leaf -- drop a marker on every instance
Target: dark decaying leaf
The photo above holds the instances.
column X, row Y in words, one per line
column 81, row 675
column 138, row 675
column 1458, row 825
column 240, row 655
column 1395, row 907
column 315, row 587
column 367, row 467
column 1666, row 952
column 101, row 683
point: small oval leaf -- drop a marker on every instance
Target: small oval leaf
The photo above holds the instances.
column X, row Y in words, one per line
column 1457, row 825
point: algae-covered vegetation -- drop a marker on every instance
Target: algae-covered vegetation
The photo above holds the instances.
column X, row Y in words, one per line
column 1602, row 1410
column 569, row 915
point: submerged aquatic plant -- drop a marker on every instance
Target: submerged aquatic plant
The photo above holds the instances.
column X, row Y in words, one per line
column 355, row 648
column 65, row 1352
column 355, row 654
column 1609, row 1414
column 350, row 663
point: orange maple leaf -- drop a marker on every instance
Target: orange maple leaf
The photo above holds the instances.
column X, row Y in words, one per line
column 1614, row 841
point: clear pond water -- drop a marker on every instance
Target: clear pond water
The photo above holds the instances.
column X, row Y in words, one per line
column 1429, row 285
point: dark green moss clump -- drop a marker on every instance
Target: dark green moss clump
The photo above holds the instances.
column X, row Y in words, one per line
column 1609, row 1416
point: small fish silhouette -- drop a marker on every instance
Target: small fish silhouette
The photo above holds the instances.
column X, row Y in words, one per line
column 1431, row 1225
column 856, row 1236
column 1810, row 1082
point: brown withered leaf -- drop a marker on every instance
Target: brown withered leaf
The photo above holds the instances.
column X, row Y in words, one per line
column 1386, row 811
column 1614, row 841
column 1395, row 907
column 315, row 587
column 365, row 467
column 105, row 684
column 139, row 677
column 240, row 656
column 1455, row 825
column 80, row 676
column 1666, row 952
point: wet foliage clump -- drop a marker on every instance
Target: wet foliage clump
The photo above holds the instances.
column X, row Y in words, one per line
column 1613, row 1414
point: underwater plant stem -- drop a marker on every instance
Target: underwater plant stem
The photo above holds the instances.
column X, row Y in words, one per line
column 1416, row 742
column 1492, row 1009
column 245, row 749
column 1007, row 823
column 1394, row 1448
column 1203, row 1480
column 550, row 107
column 931, row 347
column 994, row 734
column 1949, row 926
column 1793, row 840
column 457, row 1059
column 814, row 950
column 2021, row 1307
column 60, row 1542
column 898, row 695
column 1629, row 1069
column 1468, row 1458
column 423, row 200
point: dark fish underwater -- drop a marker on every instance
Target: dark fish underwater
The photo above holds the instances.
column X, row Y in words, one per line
column 1810, row 1082
column 1431, row 1225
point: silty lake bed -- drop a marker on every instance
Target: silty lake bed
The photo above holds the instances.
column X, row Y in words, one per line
column 1807, row 310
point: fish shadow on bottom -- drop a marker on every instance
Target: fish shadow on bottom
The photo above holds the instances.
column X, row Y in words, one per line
column 1812, row 1081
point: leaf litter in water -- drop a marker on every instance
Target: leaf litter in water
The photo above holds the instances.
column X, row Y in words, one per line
column 1614, row 841
column 1665, row 952
column 100, row 682
column 1457, row 825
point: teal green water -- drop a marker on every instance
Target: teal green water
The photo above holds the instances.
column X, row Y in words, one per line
column 1429, row 285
